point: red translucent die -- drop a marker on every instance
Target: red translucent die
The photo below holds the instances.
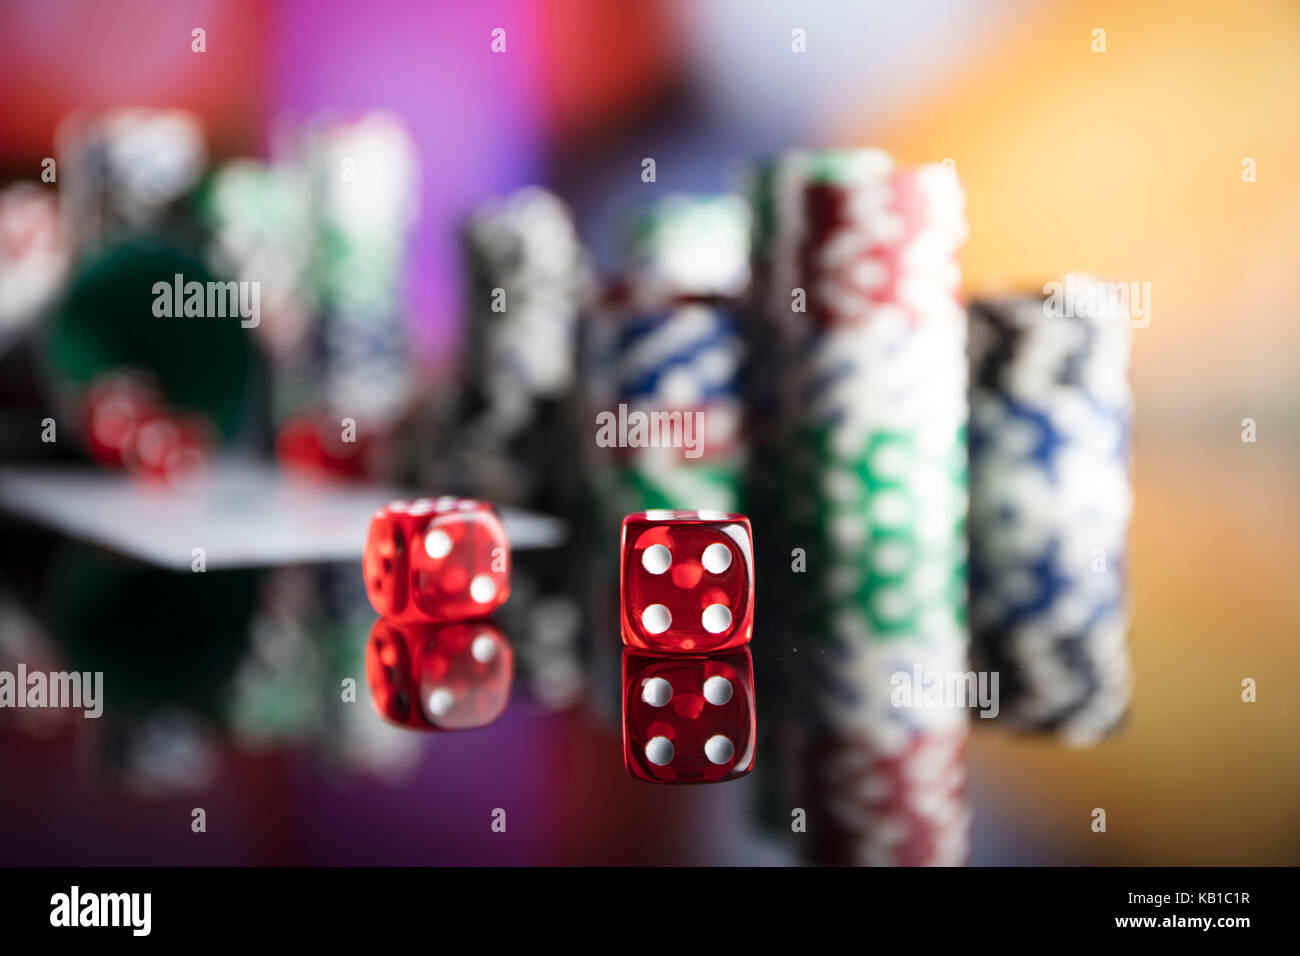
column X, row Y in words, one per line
column 390, row 672
column 688, row 719
column 444, row 559
column 314, row 446
column 687, row 581
column 439, row 676
column 463, row 675
column 169, row 448
column 115, row 406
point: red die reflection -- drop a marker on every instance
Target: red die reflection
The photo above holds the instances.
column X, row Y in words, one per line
column 688, row 719
column 436, row 560
column 390, row 672
column 686, row 581
column 439, row 676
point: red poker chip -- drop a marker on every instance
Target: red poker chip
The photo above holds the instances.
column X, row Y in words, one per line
column 850, row 265
column 868, row 804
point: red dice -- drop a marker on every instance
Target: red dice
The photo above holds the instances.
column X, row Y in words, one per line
column 686, row 581
column 688, row 719
column 311, row 445
column 439, row 676
column 444, row 559
column 170, row 448
column 115, row 406
column 463, row 675
column 128, row 424
column 390, row 672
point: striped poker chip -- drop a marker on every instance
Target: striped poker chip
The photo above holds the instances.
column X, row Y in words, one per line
column 33, row 255
column 122, row 170
column 1051, row 501
column 865, row 687
column 514, row 417
column 656, row 481
column 527, row 246
column 882, row 246
column 259, row 216
column 898, row 802
column 886, row 523
column 260, row 224
column 689, row 246
column 685, row 355
column 873, row 401
column 862, row 368
column 361, row 176
column 676, row 346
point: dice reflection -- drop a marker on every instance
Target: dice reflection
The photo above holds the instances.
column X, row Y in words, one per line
column 439, row 676
column 688, row 719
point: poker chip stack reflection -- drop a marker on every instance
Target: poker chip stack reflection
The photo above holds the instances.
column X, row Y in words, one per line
column 362, row 175
column 1050, row 504
column 123, row 171
column 872, row 399
column 350, row 738
column 516, row 434
column 676, row 360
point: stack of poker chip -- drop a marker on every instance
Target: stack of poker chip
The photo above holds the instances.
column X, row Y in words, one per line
column 362, row 178
column 1050, row 504
column 33, row 256
column 515, row 430
column 663, row 355
column 124, row 171
column 126, row 180
column 515, row 435
column 676, row 357
column 259, row 217
column 857, row 295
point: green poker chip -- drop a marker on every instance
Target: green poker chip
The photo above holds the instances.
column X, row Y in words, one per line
column 689, row 487
column 885, row 532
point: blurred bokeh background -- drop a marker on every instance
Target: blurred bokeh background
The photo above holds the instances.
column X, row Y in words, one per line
column 1126, row 163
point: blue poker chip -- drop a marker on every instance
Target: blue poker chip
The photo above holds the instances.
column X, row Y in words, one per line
column 1051, row 422
column 691, row 347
